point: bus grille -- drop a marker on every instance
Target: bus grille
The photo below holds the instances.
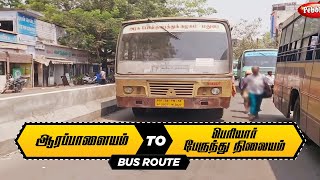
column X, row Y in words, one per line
column 177, row 89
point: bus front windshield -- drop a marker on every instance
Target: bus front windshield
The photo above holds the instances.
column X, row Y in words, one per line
column 261, row 58
column 185, row 48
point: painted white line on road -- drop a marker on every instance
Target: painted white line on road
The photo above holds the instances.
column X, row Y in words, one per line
column 53, row 92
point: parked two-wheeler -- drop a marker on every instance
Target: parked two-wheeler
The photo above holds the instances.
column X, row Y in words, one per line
column 16, row 85
column 110, row 79
column 89, row 80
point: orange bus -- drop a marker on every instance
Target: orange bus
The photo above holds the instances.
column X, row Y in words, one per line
column 181, row 63
column 297, row 82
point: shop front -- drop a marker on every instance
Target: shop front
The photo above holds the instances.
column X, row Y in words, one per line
column 3, row 62
column 15, row 60
column 49, row 70
column 20, row 65
column 80, row 68
column 54, row 61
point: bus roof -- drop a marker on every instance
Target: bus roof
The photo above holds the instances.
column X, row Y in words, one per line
column 177, row 19
column 249, row 50
column 289, row 20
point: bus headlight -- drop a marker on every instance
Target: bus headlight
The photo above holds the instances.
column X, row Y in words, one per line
column 128, row 90
column 215, row 91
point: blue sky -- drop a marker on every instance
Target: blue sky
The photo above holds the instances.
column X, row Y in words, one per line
column 234, row 10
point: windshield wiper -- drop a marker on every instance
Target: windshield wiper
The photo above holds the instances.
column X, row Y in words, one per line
column 173, row 35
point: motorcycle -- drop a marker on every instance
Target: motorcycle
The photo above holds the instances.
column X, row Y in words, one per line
column 89, row 80
column 16, row 85
column 110, row 79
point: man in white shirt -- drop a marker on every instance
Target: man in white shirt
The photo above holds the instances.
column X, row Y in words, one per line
column 270, row 80
column 103, row 77
column 255, row 85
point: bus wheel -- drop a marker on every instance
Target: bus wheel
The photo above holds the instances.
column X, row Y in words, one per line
column 218, row 113
column 138, row 112
column 296, row 116
column 296, row 111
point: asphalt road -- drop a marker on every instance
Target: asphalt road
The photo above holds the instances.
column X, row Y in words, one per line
column 306, row 167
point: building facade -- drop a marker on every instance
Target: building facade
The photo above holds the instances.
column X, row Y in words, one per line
column 30, row 48
column 53, row 60
column 281, row 12
column 17, row 40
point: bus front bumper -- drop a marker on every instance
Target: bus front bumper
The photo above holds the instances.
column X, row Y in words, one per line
column 189, row 103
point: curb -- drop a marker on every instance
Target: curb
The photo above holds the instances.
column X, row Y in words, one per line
column 9, row 146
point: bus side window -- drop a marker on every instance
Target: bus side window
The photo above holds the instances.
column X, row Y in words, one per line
column 314, row 43
column 294, row 51
column 304, row 48
column 279, row 54
column 312, row 46
column 290, row 52
column 286, row 53
column 298, row 47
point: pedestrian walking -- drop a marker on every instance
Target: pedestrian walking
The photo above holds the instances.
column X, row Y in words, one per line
column 103, row 77
column 244, row 91
column 270, row 80
column 256, row 85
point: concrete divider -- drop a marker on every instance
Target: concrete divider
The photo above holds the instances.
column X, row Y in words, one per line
column 80, row 104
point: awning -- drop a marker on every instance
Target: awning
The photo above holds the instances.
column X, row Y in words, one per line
column 81, row 63
column 20, row 58
column 54, row 60
column 42, row 60
column 3, row 56
column 61, row 62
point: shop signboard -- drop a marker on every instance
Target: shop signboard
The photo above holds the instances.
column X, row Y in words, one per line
column 27, row 40
column 4, row 45
column 273, row 27
column 63, row 52
column 7, row 37
column 26, row 25
column 17, row 72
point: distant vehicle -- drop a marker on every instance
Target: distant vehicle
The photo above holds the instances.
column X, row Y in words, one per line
column 235, row 69
column 297, row 81
column 178, row 63
column 266, row 59
column 89, row 80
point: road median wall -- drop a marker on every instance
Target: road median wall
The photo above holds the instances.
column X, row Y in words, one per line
column 80, row 104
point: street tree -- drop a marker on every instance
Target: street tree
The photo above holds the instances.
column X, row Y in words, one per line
column 268, row 42
column 10, row 3
column 94, row 25
column 247, row 34
column 197, row 8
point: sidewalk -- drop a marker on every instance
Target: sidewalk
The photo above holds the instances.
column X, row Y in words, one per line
column 64, row 104
column 37, row 90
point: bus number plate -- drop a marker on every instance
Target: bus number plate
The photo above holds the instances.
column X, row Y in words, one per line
column 178, row 103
